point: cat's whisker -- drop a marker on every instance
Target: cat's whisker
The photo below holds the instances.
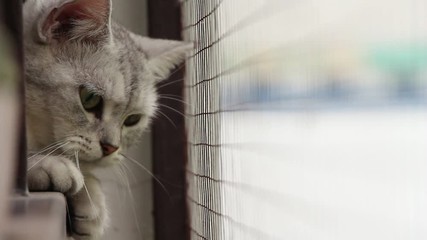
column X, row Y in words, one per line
column 126, row 168
column 175, row 99
column 169, row 83
column 148, row 171
column 118, row 189
column 173, row 109
column 84, row 184
column 121, row 176
column 179, row 67
column 171, row 95
column 131, row 198
column 89, row 197
column 132, row 203
column 44, row 157
column 76, row 155
column 50, row 146
column 63, row 152
column 47, row 148
column 164, row 115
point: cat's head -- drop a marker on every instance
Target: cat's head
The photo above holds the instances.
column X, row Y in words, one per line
column 91, row 84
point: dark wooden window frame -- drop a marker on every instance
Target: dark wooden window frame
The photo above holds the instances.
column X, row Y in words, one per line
column 169, row 141
column 11, row 16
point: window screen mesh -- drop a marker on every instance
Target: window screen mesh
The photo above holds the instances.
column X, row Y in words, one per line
column 307, row 119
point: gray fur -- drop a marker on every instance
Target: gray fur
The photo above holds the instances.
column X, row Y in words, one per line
column 111, row 61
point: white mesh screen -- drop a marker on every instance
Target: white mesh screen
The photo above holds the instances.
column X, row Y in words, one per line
column 307, row 119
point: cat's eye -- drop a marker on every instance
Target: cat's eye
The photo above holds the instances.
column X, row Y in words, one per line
column 90, row 100
column 132, row 120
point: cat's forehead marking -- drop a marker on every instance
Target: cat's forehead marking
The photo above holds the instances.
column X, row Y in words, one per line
column 132, row 65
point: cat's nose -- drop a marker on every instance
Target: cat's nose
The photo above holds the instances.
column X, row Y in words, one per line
column 107, row 148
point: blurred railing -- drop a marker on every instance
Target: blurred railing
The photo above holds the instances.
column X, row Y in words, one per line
column 22, row 215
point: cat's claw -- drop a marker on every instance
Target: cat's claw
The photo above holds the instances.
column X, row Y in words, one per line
column 57, row 173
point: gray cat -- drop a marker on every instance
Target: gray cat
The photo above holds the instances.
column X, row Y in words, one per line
column 90, row 93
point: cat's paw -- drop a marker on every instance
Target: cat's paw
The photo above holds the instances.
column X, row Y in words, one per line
column 88, row 211
column 57, row 173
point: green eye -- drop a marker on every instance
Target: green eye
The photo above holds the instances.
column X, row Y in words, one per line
column 90, row 100
column 132, row 120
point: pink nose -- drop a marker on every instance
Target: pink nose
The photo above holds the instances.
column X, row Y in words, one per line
column 108, row 149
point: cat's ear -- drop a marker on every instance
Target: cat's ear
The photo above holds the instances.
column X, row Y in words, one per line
column 163, row 55
column 81, row 20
